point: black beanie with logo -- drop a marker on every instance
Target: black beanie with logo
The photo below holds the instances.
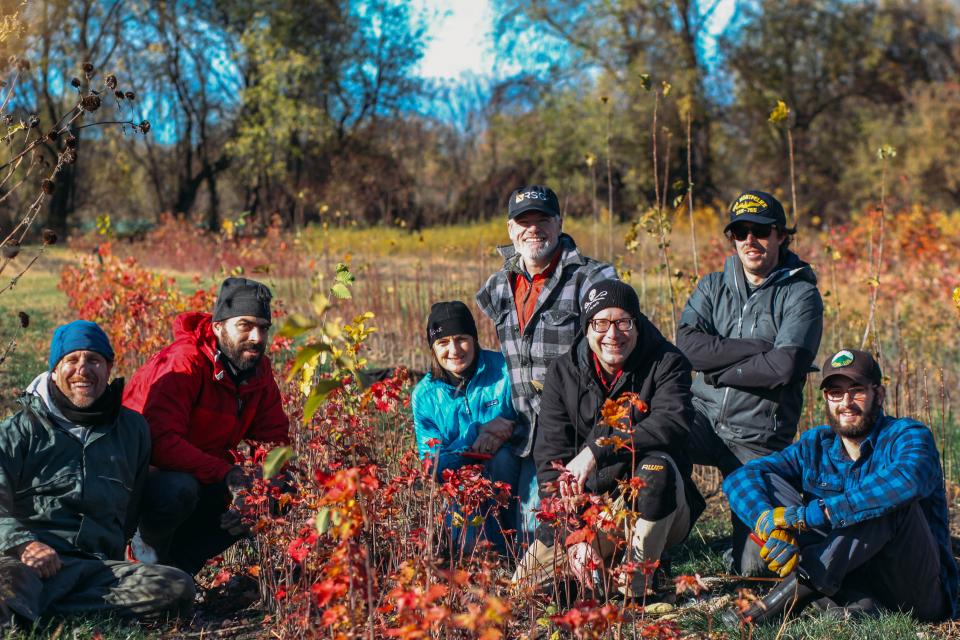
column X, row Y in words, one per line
column 450, row 319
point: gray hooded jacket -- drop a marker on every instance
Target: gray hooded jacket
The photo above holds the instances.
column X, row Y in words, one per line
column 753, row 351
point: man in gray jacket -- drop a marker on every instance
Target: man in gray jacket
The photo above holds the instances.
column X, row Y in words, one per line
column 752, row 332
column 72, row 466
column 534, row 303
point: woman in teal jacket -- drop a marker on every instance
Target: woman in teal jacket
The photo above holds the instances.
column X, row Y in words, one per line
column 462, row 411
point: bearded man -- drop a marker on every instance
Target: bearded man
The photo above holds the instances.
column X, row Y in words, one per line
column 534, row 303
column 201, row 395
column 853, row 514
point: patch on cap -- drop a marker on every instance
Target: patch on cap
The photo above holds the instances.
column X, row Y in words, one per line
column 842, row 359
column 749, row 203
column 593, row 299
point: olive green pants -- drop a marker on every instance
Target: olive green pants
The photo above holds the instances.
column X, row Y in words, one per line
column 87, row 585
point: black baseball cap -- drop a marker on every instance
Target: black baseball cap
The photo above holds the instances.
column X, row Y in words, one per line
column 859, row 366
column 533, row 198
column 759, row 207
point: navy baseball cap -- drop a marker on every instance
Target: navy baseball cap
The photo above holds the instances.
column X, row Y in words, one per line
column 533, row 198
column 758, row 207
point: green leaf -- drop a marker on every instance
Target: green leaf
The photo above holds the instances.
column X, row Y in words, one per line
column 343, row 274
column 275, row 460
column 322, row 521
column 317, row 395
column 308, row 354
column 341, row 291
column 295, row 325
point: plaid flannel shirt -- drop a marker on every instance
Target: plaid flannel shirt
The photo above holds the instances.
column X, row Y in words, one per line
column 898, row 463
column 548, row 334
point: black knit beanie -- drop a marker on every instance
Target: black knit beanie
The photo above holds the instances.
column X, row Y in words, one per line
column 242, row 297
column 609, row 293
column 449, row 319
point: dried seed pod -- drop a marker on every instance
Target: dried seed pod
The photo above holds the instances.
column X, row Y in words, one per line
column 49, row 236
column 130, row 95
column 34, row 121
column 10, row 251
column 90, row 102
column 71, row 141
column 69, row 156
column 88, row 69
column 52, row 135
column 111, row 82
column 118, row 94
column 75, row 83
column 24, row 319
column 144, row 127
column 48, row 186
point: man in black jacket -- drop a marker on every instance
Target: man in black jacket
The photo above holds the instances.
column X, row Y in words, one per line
column 752, row 332
column 578, row 451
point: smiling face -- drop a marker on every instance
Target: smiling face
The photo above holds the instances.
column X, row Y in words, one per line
column 243, row 340
column 759, row 255
column 852, row 408
column 613, row 346
column 535, row 236
column 455, row 353
column 82, row 376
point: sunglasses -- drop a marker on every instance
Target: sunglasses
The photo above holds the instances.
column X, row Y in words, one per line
column 740, row 231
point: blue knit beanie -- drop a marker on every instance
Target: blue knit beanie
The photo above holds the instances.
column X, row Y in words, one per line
column 79, row 335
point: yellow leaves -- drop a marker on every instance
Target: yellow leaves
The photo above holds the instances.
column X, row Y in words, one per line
column 886, row 151
column 779, row 113
column 956, row 298
column 589, row 159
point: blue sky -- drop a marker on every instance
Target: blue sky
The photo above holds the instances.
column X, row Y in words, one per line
column 460, row 36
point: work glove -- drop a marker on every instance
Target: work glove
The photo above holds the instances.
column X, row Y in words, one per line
column 780, row 518
column 232, row 520
column 780, row 552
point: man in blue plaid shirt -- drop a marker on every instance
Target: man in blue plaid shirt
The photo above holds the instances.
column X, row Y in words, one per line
column 853, row 515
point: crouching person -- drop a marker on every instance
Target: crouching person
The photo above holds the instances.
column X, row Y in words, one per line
column 463, row 414
column 201, row 395
column 854, row 513
column 73, row 463
column 618, row 352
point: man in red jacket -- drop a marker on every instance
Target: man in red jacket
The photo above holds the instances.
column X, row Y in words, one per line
column 201, row 396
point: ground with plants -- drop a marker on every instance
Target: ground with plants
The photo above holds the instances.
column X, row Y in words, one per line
column 357, row 551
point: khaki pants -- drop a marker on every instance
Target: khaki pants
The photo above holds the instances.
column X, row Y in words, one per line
column 543, row 562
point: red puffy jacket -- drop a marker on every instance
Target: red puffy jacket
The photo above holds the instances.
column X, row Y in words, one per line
column 197, row 415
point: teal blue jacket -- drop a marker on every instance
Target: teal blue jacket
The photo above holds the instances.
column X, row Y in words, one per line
column 452, row 415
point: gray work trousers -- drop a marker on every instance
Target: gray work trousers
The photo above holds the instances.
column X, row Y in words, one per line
column 893, row 559
column 88, row 585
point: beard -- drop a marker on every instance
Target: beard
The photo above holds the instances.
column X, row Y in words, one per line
column 536, row 254
column 860, row 429
column 236, row 353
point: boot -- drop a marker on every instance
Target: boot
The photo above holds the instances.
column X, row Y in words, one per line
column 791, row 594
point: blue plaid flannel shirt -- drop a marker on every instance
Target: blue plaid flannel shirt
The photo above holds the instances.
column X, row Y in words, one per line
column 899, row 463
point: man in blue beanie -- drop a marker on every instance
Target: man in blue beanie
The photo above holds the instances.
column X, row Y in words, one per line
column 72, row 466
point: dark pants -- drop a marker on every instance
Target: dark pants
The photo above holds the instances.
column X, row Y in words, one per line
column 181, row 519
column 87, row 585
column 892, row 559
column 707, row 448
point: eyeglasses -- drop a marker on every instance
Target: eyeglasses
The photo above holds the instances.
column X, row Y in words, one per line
column 858, row 394
column 602, row 325
column 740, row 231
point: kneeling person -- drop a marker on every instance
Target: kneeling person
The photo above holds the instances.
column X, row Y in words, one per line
column 201, row 396
column 854, row 513
column 72, row 467
column 619, row 351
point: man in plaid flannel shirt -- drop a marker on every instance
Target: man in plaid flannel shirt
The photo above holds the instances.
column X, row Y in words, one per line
column 853, row 514
column 534, row 302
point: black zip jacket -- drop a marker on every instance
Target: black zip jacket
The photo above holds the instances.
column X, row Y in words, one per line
column 570, row 417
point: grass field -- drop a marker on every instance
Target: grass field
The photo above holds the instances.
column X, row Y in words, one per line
column 400, row 273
